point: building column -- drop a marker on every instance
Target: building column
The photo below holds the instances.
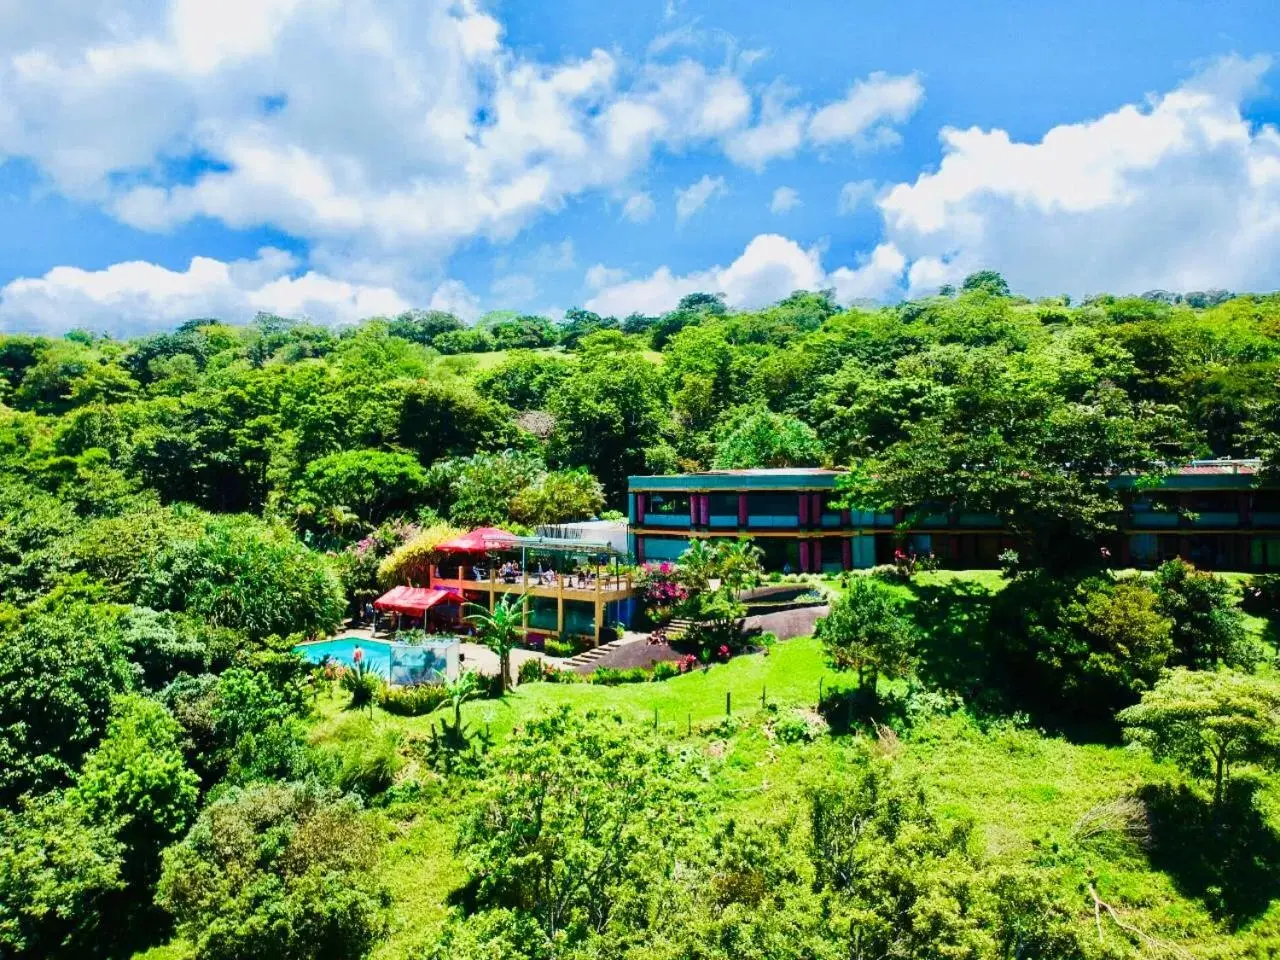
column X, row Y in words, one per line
column 641, row 501
column 599, row 606
column 803, row 510
column 639, row 549
column 804, row 556
column 815, row 510
column 560, row 607
column 524, row 606
column 704, row 509
column 693, row 510
column 815, row 555
column 846, row 553
column 742, row 511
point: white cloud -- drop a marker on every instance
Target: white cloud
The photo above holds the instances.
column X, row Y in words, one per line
column 514, row 291
column 128, row 298
column 770, row 268
column 600, row 276
column 854, row 194
column 862, row 117
column 778, row 132
column 371, row 129
column 453, row 297
column 1182, row 192
column 639, row 207
column 697, row 195
column 555, row 257
column 785, row 199
column 878, row 277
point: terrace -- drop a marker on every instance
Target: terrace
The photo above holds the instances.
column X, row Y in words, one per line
column 578, row 587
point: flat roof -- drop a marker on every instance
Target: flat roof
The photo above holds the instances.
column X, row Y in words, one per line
column 796, row 478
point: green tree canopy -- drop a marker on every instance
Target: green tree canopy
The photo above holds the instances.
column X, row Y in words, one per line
column 1208, row 723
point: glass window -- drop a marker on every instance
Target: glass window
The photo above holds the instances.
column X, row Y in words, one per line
column 772, row 504
column 723, row 504
column 668, row 504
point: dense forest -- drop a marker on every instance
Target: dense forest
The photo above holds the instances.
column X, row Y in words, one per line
column 1052, row 761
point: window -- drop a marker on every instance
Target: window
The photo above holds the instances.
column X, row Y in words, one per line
column 723, row 504
column 667, row 504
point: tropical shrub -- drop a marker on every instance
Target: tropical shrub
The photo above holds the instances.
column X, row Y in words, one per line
column 417, row 700
column 1208, row 629
column 364, row 685
column 277, row 870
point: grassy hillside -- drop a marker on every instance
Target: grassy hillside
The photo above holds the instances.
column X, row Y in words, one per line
column 1068, row 807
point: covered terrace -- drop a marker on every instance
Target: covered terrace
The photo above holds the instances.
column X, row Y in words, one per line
column 576, row 587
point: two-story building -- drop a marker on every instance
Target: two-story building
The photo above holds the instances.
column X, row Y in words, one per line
column 1213, row 513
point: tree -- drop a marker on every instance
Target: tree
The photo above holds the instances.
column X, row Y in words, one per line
column 137, row 783
column 250, row 576
column 1001, row 440
column 423, row 326
column 277, row 870
column 900, row 882
column 560, row 496
column 762, row 438
column 479, row 491
column 1208, row 627
column 60, row 670
column 59, row 874
column 500, row 630
column 987, row 281
column 867, row 632
column 574, row 814
column 1081, row 647
column 373, row 484
column 1208, row 722
column 606, row 416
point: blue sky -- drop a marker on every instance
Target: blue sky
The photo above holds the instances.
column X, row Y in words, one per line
column 160, row 160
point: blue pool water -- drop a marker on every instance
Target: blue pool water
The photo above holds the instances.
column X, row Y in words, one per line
column 377, row 655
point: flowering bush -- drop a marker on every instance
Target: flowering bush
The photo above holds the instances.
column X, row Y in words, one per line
column 662, row 589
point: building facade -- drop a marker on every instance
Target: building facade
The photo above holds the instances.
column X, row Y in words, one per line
column 1215, row 514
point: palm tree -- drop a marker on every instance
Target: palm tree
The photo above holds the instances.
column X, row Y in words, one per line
column 500, row 631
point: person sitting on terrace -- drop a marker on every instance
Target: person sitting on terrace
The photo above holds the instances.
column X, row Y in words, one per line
column 479, row 574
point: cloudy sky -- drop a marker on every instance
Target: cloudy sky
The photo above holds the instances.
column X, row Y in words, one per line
column 163, row 159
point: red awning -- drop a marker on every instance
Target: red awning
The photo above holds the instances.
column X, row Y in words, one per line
column 414, row 601
column 477, row 541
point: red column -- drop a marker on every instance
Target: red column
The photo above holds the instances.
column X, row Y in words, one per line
column 804, row 556
column 693, row 509
column 815, row 510
column 742, row 510
column 641, row 499
column 846, row 518
column 639, row 549
column 1244, row 505
column 704, row 509
column 815, row 555
column 804, row 511
column 846, row 553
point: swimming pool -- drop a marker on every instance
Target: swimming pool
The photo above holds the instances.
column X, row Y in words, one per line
column 437, row 659
column 377, row 653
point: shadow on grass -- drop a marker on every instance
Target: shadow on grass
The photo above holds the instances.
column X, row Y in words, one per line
column 1232, row 864
column 956, row 652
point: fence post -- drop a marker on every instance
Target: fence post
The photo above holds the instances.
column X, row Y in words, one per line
column 728, row 703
